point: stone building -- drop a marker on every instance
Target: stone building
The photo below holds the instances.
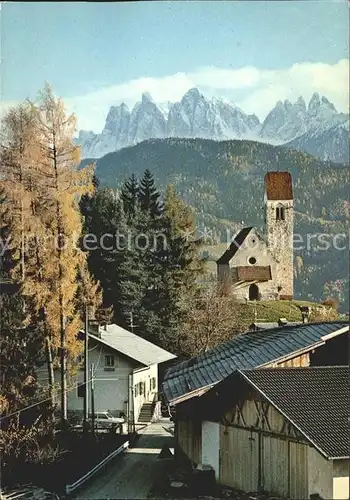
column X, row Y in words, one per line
column 260, row 267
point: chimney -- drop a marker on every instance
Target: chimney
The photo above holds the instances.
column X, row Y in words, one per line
column 94, row 327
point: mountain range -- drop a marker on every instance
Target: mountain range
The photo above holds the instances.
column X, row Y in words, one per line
column 316, row 128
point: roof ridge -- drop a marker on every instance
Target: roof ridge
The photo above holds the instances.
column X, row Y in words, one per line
column 300, row 368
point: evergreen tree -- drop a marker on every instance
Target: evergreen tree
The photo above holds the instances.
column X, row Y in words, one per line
column 105, row 224
column 151, row 276
column 180, row 269
column 21, row 352
column 129, row 196
column 149, row 197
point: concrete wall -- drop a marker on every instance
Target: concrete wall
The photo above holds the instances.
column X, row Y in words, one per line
column 320, row 473
column 280, row 242
column 210, row 448
column 341, row 479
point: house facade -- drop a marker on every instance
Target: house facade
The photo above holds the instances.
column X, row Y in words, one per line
column 261, row 432
column 260, row 267
column 123, row 371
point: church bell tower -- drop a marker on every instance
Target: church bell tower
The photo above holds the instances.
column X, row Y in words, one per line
column 279, row 217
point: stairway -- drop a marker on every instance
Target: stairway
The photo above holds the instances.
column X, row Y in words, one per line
column 146, row 413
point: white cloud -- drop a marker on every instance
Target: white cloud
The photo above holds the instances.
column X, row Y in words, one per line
column 253, row 89
column 303, row 79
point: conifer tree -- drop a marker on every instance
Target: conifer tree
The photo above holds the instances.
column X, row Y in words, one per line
column 148, row 196
column 21, row 352
column 65, row 184
column 105, row 225
column 180, row 268
column 41, row 186
column 130, row 196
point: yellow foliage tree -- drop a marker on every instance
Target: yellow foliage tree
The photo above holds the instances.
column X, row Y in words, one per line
column 43, row 186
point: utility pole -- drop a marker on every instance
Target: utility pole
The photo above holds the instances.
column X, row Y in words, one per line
column 92, row 398
column 63, row 368
column 86, row 370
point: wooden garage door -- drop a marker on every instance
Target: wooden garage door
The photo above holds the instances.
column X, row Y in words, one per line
column 275, row 471
column 239, row 458
column 298, row 470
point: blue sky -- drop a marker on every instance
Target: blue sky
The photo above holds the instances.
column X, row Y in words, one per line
column 99, row 54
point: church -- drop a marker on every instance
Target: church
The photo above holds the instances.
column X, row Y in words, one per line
column 260, row 267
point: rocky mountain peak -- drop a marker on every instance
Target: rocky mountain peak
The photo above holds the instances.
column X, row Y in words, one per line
column 146, row 97
column 300, row 105
column 314, row 103
column 215, row 118
column 325, row 103
column 192, row 94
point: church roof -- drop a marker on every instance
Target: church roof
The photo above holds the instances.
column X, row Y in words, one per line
column 234, row 246
column 252, row 273
column 278, row 186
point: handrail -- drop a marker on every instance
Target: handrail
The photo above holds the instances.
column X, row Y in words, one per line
column 72, row 487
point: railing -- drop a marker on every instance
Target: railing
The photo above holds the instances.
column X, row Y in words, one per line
column 72, row 487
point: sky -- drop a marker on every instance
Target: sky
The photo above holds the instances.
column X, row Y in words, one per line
column 98, row 54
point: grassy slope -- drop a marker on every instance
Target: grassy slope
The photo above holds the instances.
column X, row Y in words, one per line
column 269, row 312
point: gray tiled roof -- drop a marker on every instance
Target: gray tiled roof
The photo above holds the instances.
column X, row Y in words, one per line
column 315, row 400
column 132, row 345
column 243, row 352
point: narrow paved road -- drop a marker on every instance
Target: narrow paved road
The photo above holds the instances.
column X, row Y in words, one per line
column 133, row 475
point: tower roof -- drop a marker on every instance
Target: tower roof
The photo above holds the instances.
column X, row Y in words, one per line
column 278, row 186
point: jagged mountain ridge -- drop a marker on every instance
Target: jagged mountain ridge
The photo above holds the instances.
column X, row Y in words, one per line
column 330, row 145
column 195, row 116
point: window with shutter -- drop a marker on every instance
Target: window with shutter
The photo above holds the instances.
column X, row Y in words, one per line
column 109, row 363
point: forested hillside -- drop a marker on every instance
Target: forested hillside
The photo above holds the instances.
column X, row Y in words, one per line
column 224, row 182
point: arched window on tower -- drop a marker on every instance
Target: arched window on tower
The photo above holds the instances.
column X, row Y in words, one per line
column 280, row 212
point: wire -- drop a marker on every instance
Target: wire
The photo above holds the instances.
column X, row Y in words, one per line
column 98, row 362
column 43, row 400
column 90, row 350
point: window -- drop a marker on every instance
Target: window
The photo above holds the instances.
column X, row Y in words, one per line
column 81, row 390
column 153, row 382
column 101, row 415
column 109, row 363
column 252, row 261
column 136, row 390
column 280, row 212
column 141, row 388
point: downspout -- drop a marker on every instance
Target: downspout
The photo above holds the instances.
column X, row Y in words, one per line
column 131, row 406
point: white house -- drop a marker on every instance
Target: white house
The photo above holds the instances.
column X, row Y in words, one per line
column 123, row 368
